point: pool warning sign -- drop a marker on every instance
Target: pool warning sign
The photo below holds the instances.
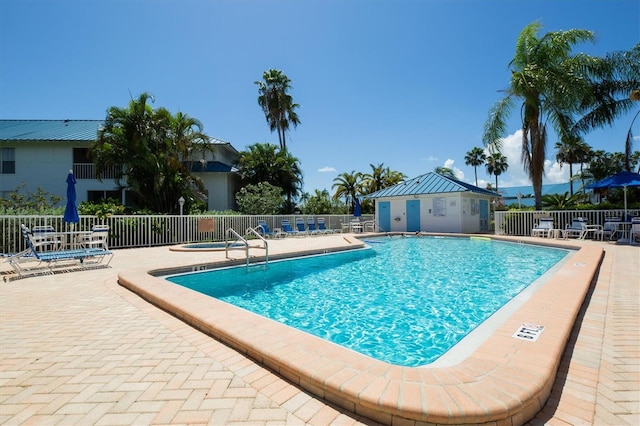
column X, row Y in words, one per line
column 529, row 332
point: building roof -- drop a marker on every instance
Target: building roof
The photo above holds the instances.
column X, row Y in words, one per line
column 60, row 130
column 527, row 190
column 49, row 130
column 430, row 183
column 209, row 167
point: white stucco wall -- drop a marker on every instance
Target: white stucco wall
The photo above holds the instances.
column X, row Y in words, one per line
column 455, row 212
column 46, row 165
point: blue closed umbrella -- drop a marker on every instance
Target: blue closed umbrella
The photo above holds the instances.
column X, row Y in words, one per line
column 71, row 211
column 356, row 210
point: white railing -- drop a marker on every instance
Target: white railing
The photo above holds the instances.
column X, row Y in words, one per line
column 154, row 230
column 88, row 171
column 520, row 223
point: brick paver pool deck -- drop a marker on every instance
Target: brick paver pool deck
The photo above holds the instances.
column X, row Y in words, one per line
column 77, row 348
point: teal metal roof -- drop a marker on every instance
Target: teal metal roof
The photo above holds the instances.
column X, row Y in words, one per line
column 527, row 190
column 49, row 130
column 430, row 183
column 60, row 130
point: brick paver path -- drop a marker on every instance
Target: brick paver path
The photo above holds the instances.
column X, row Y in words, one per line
column 79, row 349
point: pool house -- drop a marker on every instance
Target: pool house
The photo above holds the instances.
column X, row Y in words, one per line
column 433, row 203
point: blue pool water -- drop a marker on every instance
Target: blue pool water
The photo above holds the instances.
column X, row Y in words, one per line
column 405, row 301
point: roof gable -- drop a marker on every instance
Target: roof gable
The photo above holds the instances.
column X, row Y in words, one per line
column 430, row 183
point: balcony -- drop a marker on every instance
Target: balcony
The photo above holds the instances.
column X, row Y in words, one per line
column 88, row 171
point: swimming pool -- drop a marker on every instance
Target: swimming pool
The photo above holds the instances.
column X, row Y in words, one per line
column 405, row 301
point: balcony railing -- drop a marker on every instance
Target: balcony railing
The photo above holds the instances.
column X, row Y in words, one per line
column 88, row 171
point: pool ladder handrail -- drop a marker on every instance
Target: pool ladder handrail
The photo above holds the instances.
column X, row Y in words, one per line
column 240, row 238
column 255, row 232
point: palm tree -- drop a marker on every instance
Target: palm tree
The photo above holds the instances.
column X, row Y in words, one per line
column 614, row 92
column 380, row 177
column 496, row 165
column 277, row 104
column 374, row 181
column 572, row 149
column 552, row 84
column 445, row 171
column 267, row 163
column 149, row 149
column 347, row 186
column 476, row 157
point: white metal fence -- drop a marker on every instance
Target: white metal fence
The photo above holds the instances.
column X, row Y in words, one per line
column 155, row 230
column 520, row 223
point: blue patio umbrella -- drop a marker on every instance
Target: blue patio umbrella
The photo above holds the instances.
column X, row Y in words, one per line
column 71, row 211
column 622, row 180
column 356, row 210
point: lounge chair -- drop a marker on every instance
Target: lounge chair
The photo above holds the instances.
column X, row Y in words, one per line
column 263, row 229
column 98, row 237
column 544, row 227
column 34, row 262
column 300, row 226
column 287, row 229
column 322, row 227
column 311, row 227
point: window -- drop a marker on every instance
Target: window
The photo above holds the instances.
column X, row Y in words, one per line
column 98, row 196
column 8, row 161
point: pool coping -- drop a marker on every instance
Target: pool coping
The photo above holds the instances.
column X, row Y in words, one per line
column 506, row 380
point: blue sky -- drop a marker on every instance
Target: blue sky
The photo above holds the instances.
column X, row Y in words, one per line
column 403, row 83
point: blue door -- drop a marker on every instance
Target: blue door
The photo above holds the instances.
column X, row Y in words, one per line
column 483, row 206
column 413, row 215
column 384, row 216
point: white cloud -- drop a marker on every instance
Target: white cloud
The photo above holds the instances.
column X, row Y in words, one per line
column 431, row 159
column 456, row 171
column 516, row 176
column 327, row 169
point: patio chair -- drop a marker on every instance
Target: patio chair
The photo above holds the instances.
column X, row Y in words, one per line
column 575, row 229
column 322, row 227
column 98, row 237
column 287, row 230
column 544, row 227
column 610, row 227
column 634, row 233
column 45, row 238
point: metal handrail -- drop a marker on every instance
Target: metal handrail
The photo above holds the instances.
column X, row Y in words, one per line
column 238, row 238
column 255, row 232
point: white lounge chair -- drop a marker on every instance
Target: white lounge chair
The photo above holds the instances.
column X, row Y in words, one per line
column 322, row 227
column 33, row 262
